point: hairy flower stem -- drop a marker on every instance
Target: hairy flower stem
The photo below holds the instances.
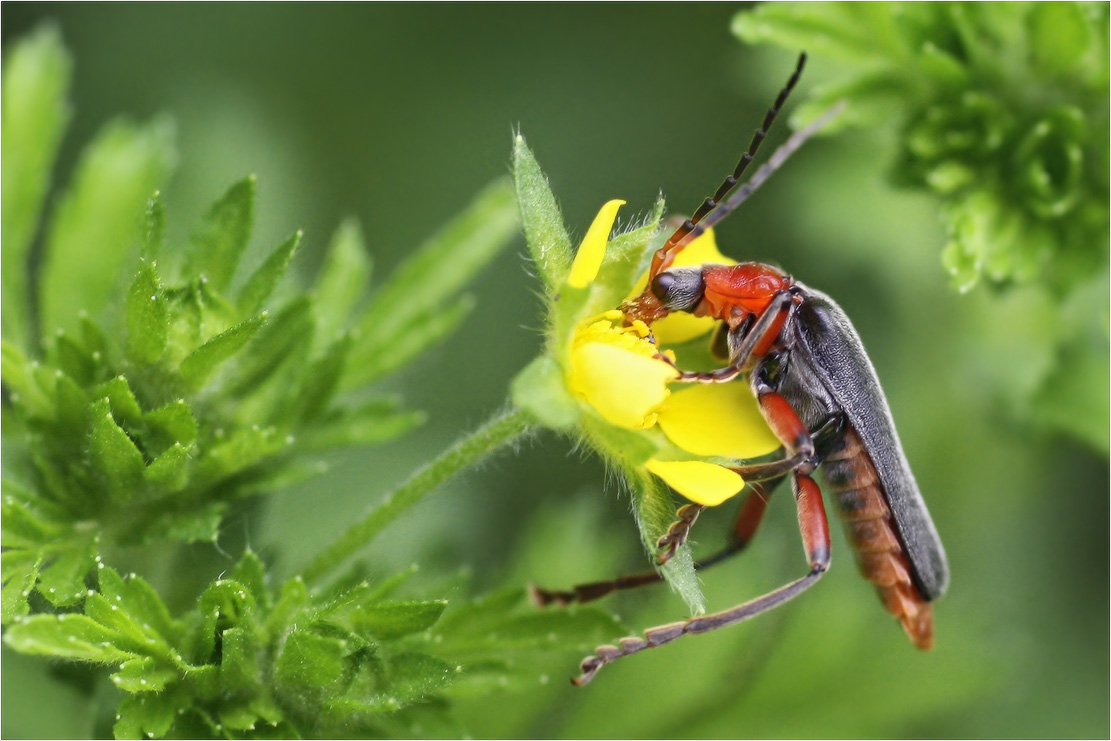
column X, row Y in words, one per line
column 498, row 432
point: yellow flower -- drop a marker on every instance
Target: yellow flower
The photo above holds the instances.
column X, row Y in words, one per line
column 615, row 370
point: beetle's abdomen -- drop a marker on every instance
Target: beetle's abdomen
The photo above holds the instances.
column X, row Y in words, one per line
column 871, row 529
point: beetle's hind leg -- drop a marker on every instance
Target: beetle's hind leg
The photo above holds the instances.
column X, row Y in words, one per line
column 814, row 528
column 744, row 529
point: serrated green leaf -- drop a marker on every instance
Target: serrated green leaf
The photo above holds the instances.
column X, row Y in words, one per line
column 140, row 602
column 194, row 525
column 154, row 231
column 440, row 267
column 309, row 660
column 218, row 243
column 376, row 356
column 62, row 581
column 114, row 455
column 130, row 635
column 287, row 332
column 342, row 280
column 147, row 715
column 172, row 423
column 391, row 620
column 169, row 472
column 264, row 280
column 96, row 226
column 122, row 402
column 66, row 636
column 202, row 361
column 542, row 222
column 36, row 74
column 242, row 449
column 144, row 675
column 148, row 316
column 20, row 572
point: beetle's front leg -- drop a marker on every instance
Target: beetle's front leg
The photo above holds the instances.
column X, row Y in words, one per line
column 746, row 343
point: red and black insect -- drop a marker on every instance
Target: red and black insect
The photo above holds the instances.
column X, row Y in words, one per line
column 820, row 395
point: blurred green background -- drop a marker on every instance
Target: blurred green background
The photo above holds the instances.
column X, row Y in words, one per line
column 398, row 114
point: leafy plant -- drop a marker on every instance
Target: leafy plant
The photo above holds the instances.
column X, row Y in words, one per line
column 153, row 386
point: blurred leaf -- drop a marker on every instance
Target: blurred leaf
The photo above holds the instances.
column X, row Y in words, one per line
column 1075, row 397
column 541, row 219
column 218, row 243
column 287, row 331
column 148, row 319
column 422, row 290
column 35, row 86
column 378, row 420
column 342, row 279
column 320, row 381
column 264, row 280
column 154, row 232
column 1059, row 36
column 96, row 225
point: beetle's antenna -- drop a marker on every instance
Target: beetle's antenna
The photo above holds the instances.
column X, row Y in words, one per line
column 678, row 240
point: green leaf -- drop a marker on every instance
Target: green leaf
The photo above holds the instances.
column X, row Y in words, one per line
column 202, row 361
column 114, row 455
column 251, row 573
column 394, row 619
column 21, row 571
column 406, row 678
column 1060, row 37
column 122, row 402
column 66, row 636
column 242, row 448
column 309, row 660
column 96, row 226
column 62, row 582
column 144, row 675
column 198, row 524
column 35, row 85
column 139, row 600
column 264, row 280
column 423, row 284
column 148, row 715
column 319, row 383
column 239, row 654
column 148, row 316
column 218, row 243
column 342, row 280
column 547, row 239
column 373, row 358
column 169, row 424
column 23, row 525
column 154, row 232
column 286, row 333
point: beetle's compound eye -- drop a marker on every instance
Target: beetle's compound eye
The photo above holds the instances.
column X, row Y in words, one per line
column 679, row 289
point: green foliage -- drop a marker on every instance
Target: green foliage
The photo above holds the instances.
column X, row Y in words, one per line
column 1001, row 111
column 165, row 382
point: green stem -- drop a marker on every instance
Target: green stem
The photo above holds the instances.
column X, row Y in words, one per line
column 494, row 434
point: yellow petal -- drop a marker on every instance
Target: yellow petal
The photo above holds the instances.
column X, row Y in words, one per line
column 593, row 248
column 625, row 387
column 702, row 483
column 719, row 419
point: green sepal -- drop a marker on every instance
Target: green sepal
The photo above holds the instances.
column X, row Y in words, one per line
column 541, row 220
column 541, row 389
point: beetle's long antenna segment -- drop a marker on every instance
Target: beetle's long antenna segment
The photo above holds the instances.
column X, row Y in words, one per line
column 672, row 244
